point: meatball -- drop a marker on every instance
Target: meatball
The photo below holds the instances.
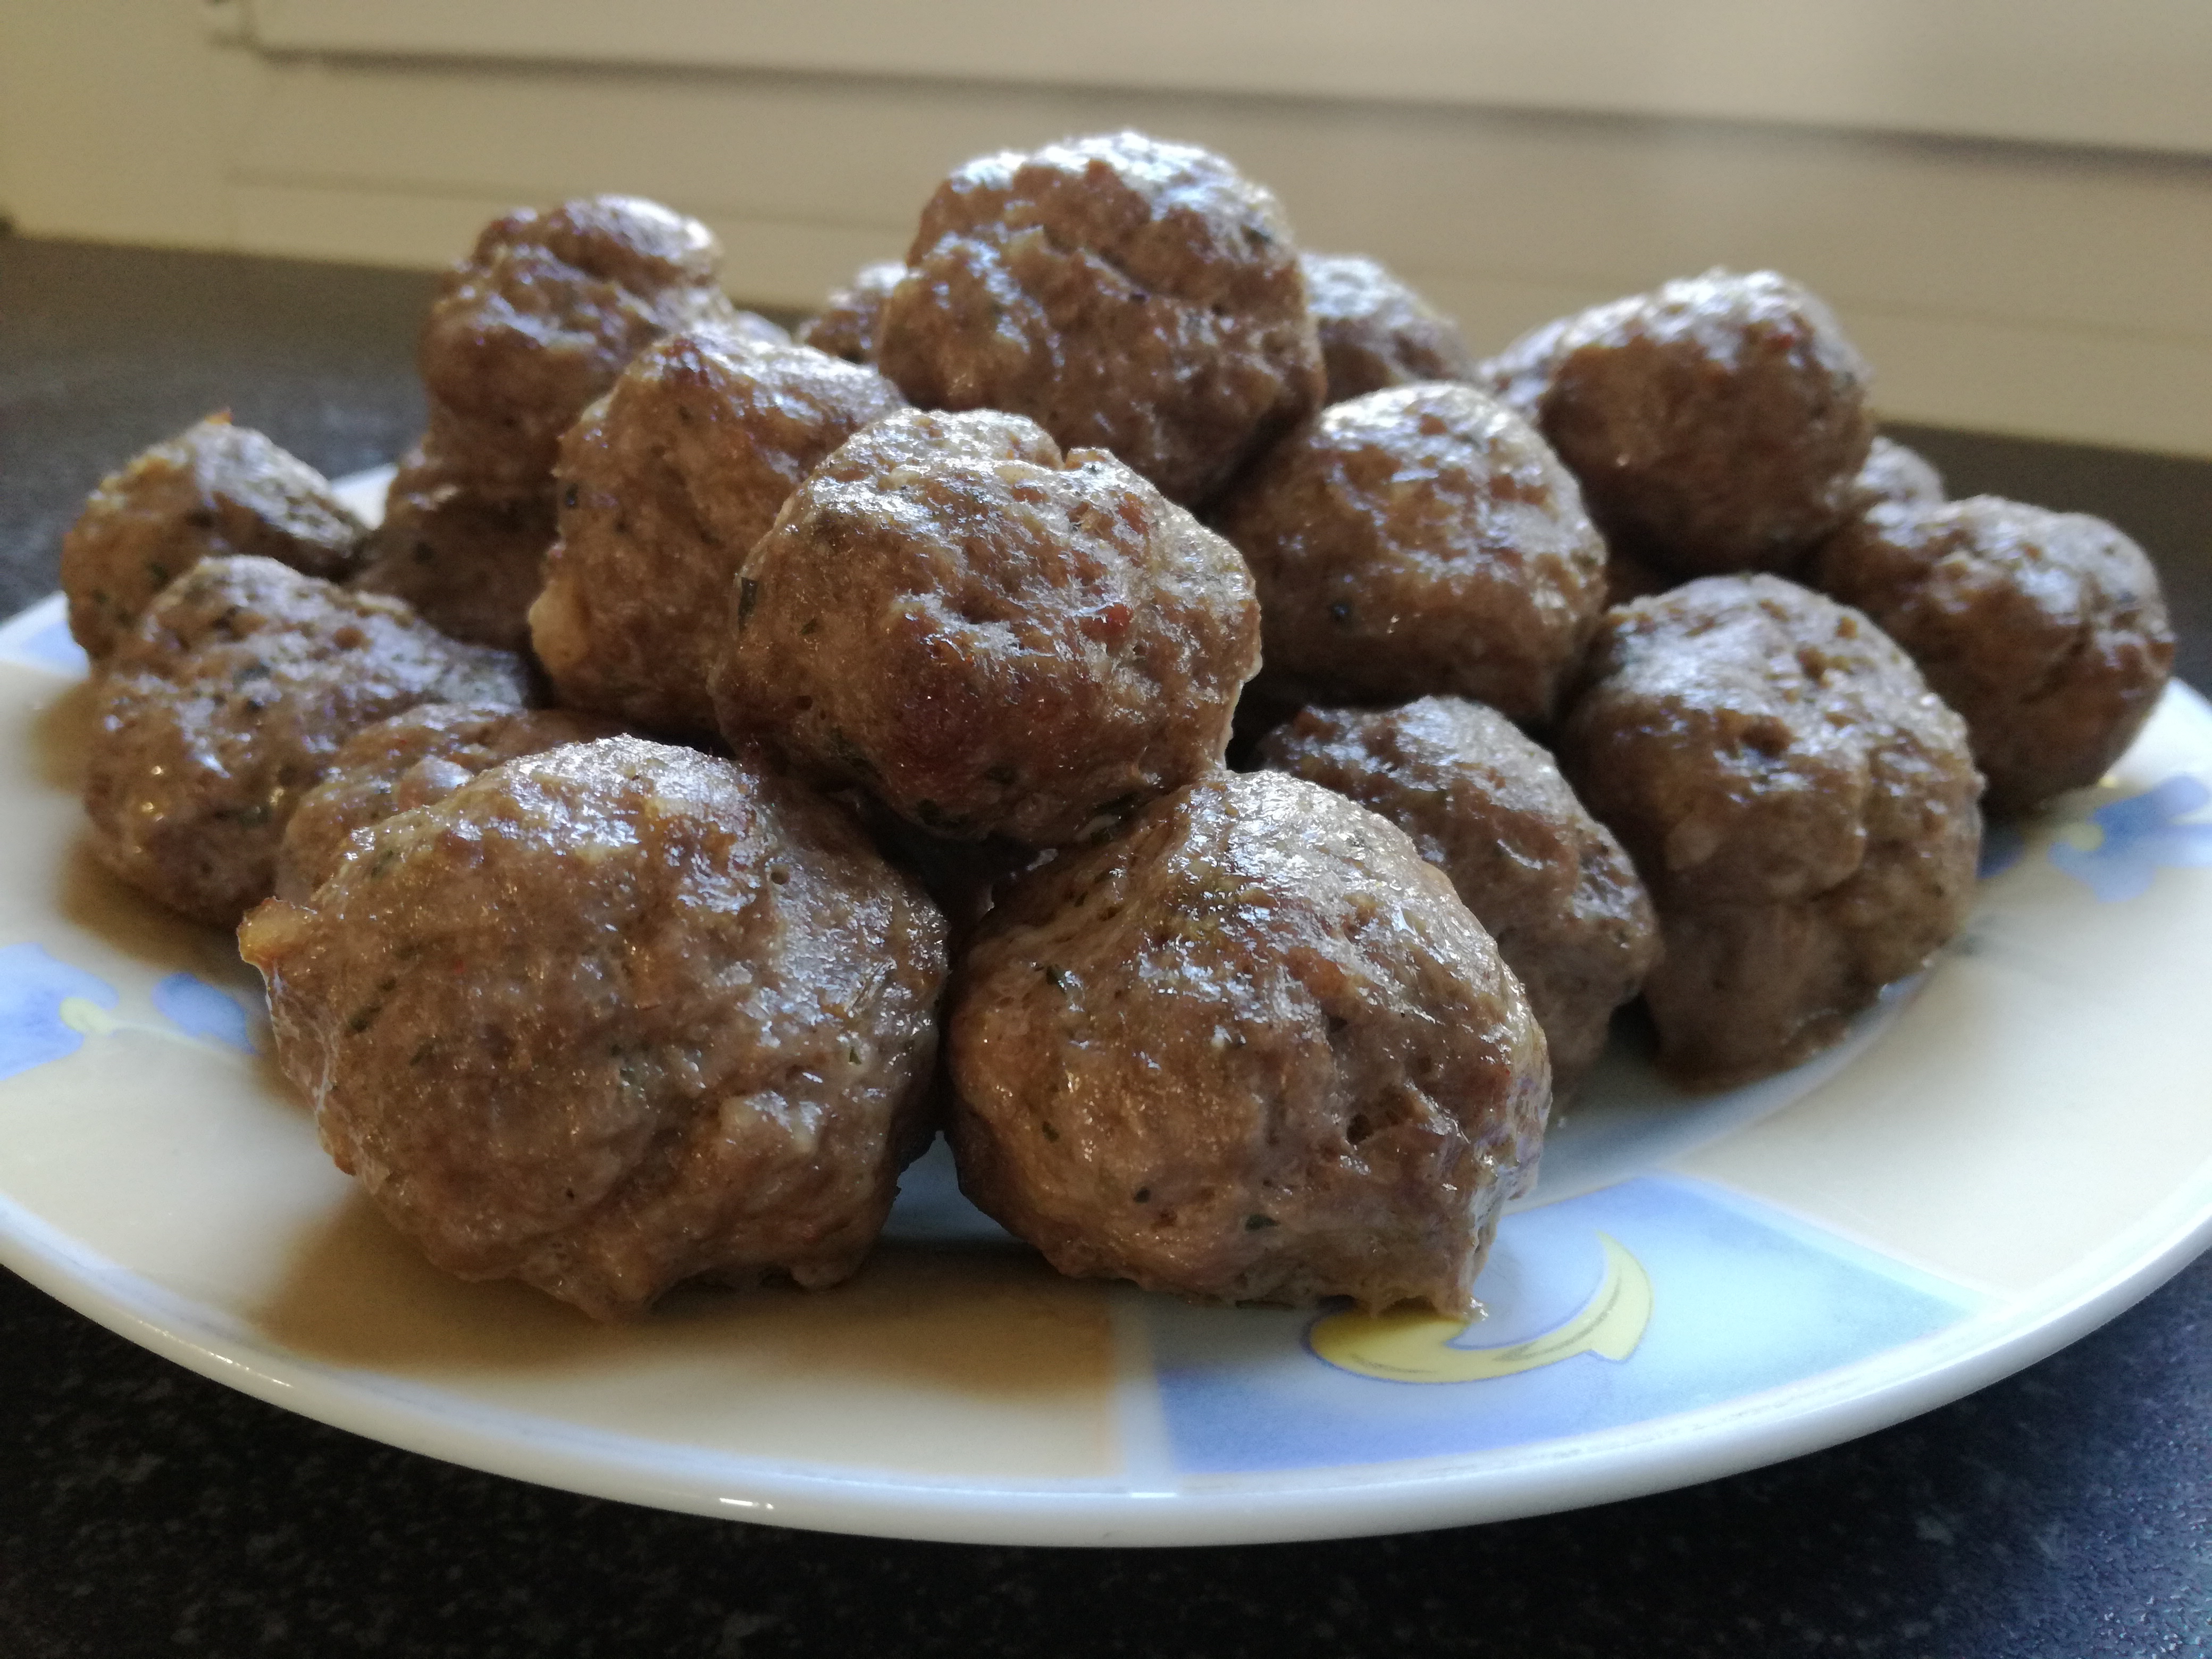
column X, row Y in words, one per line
column 989, row 635
column 213, row 490
column 666, row 485
column 1801, row 805
column 1420, row 540
column 1489, row 808
column 1717, row 424
column 410, row 761
column 1375, row 332
column 1895, row 473
column 846, row 326
column 1252, row 1048
column 542, row 316
column 614, row 1016
column 2047, row 631
column 470, row 563
column 1130, row 295
column 226, row 704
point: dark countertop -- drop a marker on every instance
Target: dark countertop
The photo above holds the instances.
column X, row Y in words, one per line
column 2066, row 1511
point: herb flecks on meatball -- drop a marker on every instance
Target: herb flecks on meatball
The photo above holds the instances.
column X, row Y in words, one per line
column 667, row 484
column 988, row 636
column 2046, row 631
column 1126, row 294
column 1375, row 332
column 1801, row 805
column 1488, row 807
column 1717, row 424
column 213, row 490
column 615, row 1017
column 227, row 704
column 1423, row 539
column 470, row 563
column 1251, row 1049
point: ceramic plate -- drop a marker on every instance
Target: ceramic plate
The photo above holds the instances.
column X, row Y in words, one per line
column 2006, row 1153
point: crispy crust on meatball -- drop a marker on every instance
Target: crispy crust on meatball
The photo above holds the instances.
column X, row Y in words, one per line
column 1489, row 808
column 666, row 485
column 542, row 314
column 846, row 326
column 470, row 563
column 1801, row 805
column 2046, row 631
column 410, row 761
column 1717, row 424
column 227, row 703
column 1126, row 294
column 989, row 635
column 1420, row 540
column 213, row 490
column 1375, row 332
column 1251, row 1049
column 614, row 1016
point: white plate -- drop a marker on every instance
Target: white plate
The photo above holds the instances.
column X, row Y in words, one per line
column 2006, row 1154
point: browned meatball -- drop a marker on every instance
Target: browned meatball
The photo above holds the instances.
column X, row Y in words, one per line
column 212, row 490
column 1135, row 296
column 225, row 705
column 542, row 316
column 1253, row 1048
column 470, row 563
column 991, row 636
column 666, row 484
column 614, row 1016
column 2047, row 631
column 1416, row 540
column 1895, row 473
column 1489, row 808
column 1717, row 424
column 1375, row 332
column 846, row 326
column 1801, row 803
column 410, row 761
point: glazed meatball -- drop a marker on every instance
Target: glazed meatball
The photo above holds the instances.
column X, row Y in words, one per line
column 1802, row 804
column 1896, row 474
column 226, row 704
column 468, row 562
column 541, row 317
column 1717, row 424
column 846, row 326
column 1251, row 1049
column 1421, row 539
column 410, row 761
column 666, row 485
column 1130, row 295
column 213, row 490
column 1375, row 332
column 611, row 1018
column 2047, row 631
column 991, row 636
column 1489, row 808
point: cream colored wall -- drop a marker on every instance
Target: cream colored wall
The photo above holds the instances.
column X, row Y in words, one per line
column 2044, row 290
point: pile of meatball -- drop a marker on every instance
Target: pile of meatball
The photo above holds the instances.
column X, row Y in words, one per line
column 734, row 760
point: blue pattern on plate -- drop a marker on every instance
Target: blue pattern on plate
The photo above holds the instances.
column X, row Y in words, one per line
column 1743, row 1299
column 2141, row 835
column 198, row 1009
column 33, row 985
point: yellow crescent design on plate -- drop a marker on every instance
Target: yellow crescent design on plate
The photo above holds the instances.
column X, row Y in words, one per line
column 1415, row 1346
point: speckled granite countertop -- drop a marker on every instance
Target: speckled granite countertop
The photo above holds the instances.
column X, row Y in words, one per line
column 2066, row 1511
